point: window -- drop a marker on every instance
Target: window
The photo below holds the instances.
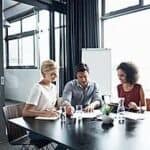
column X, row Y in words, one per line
column 44, row 20
column 27, row 55
column 22, row 42
column 13, row 52
column 29, row 23
column 60, row 34
column 146, row 2
column 57, row 19
column 15, row 28
column 44, row 40
column 128, row 37
column 29, row 40
column 112, row 5
column 57, row 43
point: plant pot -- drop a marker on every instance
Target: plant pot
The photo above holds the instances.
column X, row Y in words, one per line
column 107, row 120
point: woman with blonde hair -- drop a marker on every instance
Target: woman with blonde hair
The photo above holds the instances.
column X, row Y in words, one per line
column 42, row 99
column 43, row 96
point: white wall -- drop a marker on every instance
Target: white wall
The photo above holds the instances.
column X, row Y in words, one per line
column 18, row 83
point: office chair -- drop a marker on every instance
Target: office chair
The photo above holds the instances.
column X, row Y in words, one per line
column 19, row 136
column 148, row 104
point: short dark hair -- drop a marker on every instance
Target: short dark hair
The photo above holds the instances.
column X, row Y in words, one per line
column 82, row 67
column 130, row 70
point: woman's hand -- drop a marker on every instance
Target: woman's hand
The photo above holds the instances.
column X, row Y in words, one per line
column 132, row 105
column 51, row 113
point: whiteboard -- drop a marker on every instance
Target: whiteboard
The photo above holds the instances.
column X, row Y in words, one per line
column 99, row 62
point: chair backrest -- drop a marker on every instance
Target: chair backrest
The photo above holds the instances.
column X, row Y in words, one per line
column 148, row 104
column 13, row 111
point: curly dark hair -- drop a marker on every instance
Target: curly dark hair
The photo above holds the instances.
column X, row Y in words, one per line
column 130, row 70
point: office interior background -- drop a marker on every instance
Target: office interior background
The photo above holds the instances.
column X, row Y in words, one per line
column 32, row 31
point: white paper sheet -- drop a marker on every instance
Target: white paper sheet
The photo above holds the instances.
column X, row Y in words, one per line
column 93, row 114
column 134, row 116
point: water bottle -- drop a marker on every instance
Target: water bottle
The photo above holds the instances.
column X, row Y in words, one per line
column 121, row 110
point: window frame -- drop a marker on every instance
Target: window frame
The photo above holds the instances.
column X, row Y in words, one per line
column 19, row 36
column 123, row 11
column 104, row 16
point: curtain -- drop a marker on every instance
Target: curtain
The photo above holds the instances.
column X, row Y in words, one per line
column 82, row 31
column 63, row 54
column 52, row 35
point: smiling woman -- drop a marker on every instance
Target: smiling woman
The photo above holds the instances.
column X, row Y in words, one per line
column 129, row 88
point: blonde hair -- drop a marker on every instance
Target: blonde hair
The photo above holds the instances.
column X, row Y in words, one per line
column 48, row 65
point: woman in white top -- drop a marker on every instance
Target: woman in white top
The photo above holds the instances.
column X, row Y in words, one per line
column 42, row 99
column 43, row 96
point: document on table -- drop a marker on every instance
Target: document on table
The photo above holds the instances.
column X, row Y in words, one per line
column 134, row 116
column 46, row 118
column 93, row 114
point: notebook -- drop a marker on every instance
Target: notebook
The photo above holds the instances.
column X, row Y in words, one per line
column 47, row 118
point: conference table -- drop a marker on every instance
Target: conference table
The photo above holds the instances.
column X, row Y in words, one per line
column 92, row 134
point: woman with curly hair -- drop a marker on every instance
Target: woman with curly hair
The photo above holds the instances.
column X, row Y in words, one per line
column 129, row 88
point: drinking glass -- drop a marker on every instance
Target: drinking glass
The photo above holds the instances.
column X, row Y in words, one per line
column 79, row 112
column 121, row 110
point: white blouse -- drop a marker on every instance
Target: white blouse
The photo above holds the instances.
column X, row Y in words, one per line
column 43, row 96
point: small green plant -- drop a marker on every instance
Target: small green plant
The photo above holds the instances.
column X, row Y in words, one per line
column 106, row 109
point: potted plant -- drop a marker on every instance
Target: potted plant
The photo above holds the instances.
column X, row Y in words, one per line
column 106, row 110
